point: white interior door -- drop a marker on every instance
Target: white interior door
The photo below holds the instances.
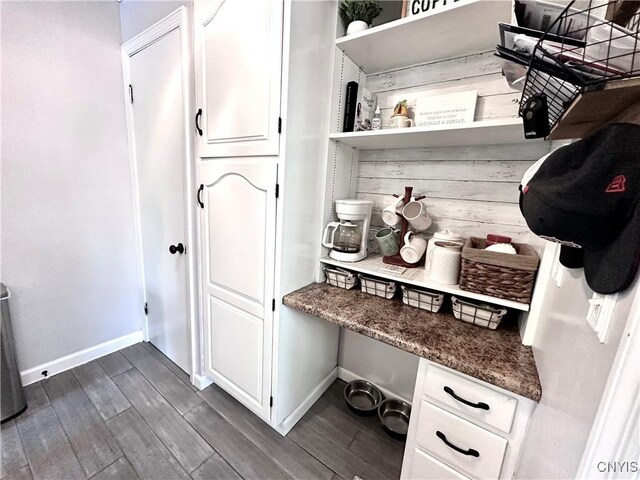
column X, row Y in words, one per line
column 158, row 121
column 238, row 69
column 238, row 243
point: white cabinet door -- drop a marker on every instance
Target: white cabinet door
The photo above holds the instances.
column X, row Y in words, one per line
column 238, row 71
column 238, row 241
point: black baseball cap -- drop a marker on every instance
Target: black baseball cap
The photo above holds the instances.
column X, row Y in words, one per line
column 587, row 194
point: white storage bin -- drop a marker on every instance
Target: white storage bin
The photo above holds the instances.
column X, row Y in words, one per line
column 379, row 288
column 423, row 299
column 340, row 278
column 481, row 315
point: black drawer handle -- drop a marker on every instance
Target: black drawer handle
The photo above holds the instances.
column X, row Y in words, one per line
column 198, row 198
column 471, row 452
column 198, row 115
column 480, row 405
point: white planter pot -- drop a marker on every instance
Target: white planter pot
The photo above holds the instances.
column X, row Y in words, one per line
column 357, row 26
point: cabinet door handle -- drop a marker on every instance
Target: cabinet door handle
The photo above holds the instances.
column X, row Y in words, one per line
column 480, row 405
column 198, row 115
column 198, row 198
column 471, row 452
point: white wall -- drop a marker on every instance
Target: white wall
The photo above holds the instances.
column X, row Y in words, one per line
column 138, row 15
column 388, row 367
column 573, row 367
column 68, row 244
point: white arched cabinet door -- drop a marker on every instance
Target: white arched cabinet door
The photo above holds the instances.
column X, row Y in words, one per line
column 238, row 70
column 238, row 239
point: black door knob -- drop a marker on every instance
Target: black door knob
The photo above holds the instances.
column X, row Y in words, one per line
column 173, row 249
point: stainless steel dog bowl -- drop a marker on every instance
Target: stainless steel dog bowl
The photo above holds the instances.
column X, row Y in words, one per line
column 394, row 417
column 362, row 397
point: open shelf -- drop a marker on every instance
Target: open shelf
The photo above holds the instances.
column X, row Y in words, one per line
column 459, row 28
column 418, row 277
column 594, row 109
column 484, row 132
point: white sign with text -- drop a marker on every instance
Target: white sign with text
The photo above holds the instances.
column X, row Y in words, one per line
column 416, row 7
column 442, row 110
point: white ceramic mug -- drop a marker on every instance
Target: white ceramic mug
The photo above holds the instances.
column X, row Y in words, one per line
column 401, row 121
column 416, row 213
column 446, row 258
column 390, row 214
column 414, row 247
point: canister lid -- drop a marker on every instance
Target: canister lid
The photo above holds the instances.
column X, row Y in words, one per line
column 447, row 235
column 4, row 292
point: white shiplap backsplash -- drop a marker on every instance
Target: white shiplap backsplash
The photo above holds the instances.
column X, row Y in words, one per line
column 473, row 190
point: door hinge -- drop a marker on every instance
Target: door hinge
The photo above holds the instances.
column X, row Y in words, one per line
column 146, row 308
column 130, row 93
column 273, row 305
column 270, row 402
column 277, row 190
column 279, row 123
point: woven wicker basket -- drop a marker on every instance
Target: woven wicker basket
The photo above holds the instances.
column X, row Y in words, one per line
column 500, row 275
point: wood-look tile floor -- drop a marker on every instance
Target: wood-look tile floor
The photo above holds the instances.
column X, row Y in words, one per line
column 134, row 414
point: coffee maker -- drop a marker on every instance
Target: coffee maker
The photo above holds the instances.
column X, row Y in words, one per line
column 347, row 238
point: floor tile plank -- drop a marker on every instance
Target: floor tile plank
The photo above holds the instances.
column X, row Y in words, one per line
column 11, row 454
column 92, row 441
column 243, row 456
column 114, row 364
column 147, row 454
column 103, row 393
column 121, row 469
column 166, row 361
column 23, row 473
column 215, row 468
column 36, row 397
column 288, row 455
column 181, row 397
column 333, row 454
column 387, row 460
column 46, row 446
column 175, row 432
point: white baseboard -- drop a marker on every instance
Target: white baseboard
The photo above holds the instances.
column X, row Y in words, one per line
column 293, row 418
column 201, row 381
column 349, row 376
column 67, row 362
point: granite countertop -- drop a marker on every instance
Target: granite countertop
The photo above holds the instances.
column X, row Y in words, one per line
column 495, row 356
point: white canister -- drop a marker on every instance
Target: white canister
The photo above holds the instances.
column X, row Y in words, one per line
column 446, row 258
column 443, row 236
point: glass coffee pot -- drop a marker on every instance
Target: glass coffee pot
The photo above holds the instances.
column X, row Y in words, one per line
column 345, row 237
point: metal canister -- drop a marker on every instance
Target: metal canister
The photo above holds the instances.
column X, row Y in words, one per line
column 12, row 400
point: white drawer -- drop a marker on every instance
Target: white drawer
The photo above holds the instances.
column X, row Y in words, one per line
column 425, row 467
column 459, row 443
column 486, row 404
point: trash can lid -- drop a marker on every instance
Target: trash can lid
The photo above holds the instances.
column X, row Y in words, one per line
column 4, row 293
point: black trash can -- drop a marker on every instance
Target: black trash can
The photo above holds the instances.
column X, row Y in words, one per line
column 12, row 398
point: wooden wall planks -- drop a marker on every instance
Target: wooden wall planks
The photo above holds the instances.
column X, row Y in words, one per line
column 473, row 190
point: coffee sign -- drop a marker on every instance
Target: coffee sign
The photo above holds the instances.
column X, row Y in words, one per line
column 415, row 7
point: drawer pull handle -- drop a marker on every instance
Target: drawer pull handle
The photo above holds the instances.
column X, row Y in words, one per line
column 471, row 452
column 480, row 405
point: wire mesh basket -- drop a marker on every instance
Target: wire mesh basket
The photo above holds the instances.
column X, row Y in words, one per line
column 479, row 314
column 340, row 278
column 424, row 299
column 579, row 51
column 377, row 287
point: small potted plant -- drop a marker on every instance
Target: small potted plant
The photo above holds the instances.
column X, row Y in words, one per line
column 401, row 109
column 357, row 15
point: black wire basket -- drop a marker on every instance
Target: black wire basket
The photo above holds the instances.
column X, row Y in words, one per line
column 578, row 51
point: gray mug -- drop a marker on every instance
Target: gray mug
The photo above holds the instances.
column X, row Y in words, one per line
column 389, row 241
